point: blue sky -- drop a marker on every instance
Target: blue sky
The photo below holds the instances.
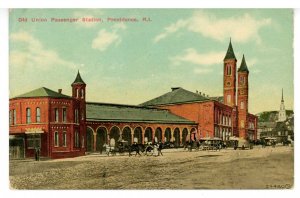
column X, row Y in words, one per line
column 132, row 62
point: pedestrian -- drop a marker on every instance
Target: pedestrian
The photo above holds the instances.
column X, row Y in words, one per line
column 160, row 145
column 38, row 153
column 35, row 153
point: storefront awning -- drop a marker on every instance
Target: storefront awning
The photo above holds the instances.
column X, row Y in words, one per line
column 34, row 132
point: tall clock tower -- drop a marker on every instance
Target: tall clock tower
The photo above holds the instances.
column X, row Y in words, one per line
column 229, row 77
column 243, row 89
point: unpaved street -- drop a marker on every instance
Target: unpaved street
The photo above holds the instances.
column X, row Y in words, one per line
column 226, row 169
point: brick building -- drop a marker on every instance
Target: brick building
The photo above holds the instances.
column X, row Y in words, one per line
column 67, row 126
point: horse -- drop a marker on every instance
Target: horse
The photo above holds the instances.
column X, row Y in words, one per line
column 137, row 148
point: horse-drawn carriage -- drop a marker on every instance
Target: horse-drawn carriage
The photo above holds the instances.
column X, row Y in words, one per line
column 210, row 143
column 239, row 143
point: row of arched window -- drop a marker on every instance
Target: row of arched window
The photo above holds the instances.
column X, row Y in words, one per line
column 222, row 119
column 63, row 142
column 37, row 115
column 79, row 93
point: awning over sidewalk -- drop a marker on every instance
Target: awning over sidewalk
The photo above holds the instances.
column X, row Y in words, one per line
column 34, row 132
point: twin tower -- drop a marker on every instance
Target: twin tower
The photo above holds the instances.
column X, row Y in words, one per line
column 236, row 96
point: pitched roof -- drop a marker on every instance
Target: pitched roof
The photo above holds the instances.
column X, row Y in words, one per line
column 230, row 52
column 243, row 67
column 42, row 92
column 177, row 95
column 78, row 79
column 130, row 113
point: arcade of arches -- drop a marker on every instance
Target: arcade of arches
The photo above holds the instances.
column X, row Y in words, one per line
column 98, row 135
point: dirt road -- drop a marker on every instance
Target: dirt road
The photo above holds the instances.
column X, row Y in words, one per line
column 226, row 169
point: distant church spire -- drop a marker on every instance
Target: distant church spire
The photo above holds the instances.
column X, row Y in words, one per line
column 282, row 113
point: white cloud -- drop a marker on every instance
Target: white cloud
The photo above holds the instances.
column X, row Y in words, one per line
column 34, row 54
column 106, row 38
column 240, row 29
column 192, row 56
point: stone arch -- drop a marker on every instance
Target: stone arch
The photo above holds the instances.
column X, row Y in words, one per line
column 101, row 138
column 193, row 133
column 176, row 135
column 138, row 134
column 148, row 134
column 114, row 133
column 168, row 135
column 89, row 139
column 126, row 134
column 185, row 137
column 158, row 134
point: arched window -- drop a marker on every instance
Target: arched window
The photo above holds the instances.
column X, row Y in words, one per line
column 64, row 138
column 76, row 140
column 14, row 117
column 242, row 124
column 242, row 105
column 10, row 117
column 77, row 93
column 76, row 116
column 38, row 114
column 56, row 139
column 228, row 98
column 82, row 93
column 28, row 116
column 64, row 114
column 56, row 114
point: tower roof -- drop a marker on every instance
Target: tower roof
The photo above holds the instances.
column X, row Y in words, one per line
column 282, row 96
column 243, row 67
column 230, row 52
column 78, row 79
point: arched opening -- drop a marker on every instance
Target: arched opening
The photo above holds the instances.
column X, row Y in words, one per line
column 89, row 139
column 167, row 135
column 158, row 135
column 101, row 138
column 177, row 137
column 148, row 135
column 137, row 135
column 193, row 134
column 185, row 137
column 126, row 135
column 114, row 134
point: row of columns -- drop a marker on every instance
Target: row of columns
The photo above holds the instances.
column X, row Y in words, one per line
column 138, row 134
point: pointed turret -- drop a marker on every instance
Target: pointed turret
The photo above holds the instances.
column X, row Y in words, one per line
column 78, row 79
column 282, row 96
column 230, row 52
column 243, row 67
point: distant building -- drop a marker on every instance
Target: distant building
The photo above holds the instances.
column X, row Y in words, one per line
column 279, row 124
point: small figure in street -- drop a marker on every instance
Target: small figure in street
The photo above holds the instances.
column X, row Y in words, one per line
column 37, row 153
column 155, row 150
column 160, row 145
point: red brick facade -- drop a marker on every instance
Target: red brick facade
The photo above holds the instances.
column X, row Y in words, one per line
column 58, row 125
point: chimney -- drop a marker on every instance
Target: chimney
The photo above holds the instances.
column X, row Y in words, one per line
column 175, row 88
column 59, row 91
